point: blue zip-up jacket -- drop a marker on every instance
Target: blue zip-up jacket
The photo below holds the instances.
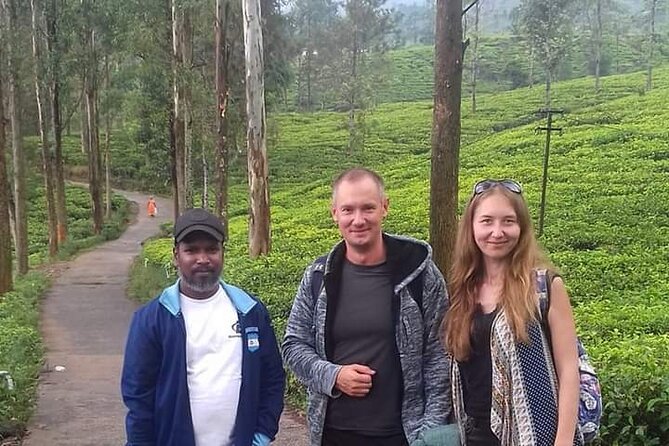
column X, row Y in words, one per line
column 154, row 383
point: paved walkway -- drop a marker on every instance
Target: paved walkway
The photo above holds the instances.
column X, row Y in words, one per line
column 84, row 322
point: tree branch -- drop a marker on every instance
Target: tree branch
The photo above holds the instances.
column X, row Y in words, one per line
column 472, row 4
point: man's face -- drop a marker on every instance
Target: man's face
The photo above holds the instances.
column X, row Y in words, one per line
column 359, row 210
column 198, row 259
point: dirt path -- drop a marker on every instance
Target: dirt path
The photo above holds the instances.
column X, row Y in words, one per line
column 84, row 322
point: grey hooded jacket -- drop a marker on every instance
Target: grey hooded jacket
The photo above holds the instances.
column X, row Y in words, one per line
column 425, row 367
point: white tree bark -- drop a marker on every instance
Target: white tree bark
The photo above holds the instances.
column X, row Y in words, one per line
column 258, row 169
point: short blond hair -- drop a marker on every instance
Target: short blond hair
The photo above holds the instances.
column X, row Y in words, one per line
column 356, row 174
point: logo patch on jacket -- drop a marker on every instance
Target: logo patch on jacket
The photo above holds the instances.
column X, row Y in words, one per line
column 236, row 331
column 252, row 339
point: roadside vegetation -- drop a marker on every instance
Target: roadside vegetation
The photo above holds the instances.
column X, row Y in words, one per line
column 21, row 348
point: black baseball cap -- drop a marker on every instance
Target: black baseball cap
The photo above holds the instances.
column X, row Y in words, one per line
column 198, row 219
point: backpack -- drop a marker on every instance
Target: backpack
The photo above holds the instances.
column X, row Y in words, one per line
column 415, row 286
column 590, row 400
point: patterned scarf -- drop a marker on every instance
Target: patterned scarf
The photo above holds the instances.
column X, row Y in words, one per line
column 524, row 389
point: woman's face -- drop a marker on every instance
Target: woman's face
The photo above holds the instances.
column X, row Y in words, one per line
column 495, row 227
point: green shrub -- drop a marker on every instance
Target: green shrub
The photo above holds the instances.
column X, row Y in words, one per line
column 20, row 351
column 635, row 390
column 147, row 279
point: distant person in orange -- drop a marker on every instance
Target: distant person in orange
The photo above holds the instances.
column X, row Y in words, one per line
column 151, row 207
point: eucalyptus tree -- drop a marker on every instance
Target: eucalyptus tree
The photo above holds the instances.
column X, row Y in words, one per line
column 314, row 22
column 651, row 12
column 476, row 36
column 180, row 34
column 222, row 86
column 6, row 279
column 549, row 28
column 415, row 22
column 146, row 71
column 54, row 13
column 39, row 70
column 90, row 13
column 258, row 167
column 597, row 14
column 362, row 44
column 13, row 36
column 598, row 37
column 448, row 54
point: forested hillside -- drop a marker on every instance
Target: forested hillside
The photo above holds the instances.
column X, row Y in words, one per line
column 504, row 64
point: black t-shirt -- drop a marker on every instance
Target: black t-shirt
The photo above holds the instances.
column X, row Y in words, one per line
column 363, row 332
column 476, row 372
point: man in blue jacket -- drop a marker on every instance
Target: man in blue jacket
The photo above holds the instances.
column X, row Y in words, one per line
column 202, row 366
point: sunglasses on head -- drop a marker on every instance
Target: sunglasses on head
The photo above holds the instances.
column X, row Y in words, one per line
column 510, row 185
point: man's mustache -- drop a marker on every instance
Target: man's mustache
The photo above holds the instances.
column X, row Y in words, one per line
column 203, row 270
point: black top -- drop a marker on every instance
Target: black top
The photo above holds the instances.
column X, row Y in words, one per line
column 363, row 332
column 476, row 372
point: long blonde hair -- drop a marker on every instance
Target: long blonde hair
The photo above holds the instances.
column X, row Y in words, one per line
column 518, row 299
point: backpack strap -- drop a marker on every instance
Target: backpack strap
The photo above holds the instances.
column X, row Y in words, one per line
column 543, row 290
column 542, row 283
column 317, row 277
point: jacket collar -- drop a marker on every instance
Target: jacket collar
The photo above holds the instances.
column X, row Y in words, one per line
column 406, row 258
column 169, row 298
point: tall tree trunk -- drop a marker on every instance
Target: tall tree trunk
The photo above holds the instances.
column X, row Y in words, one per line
column 56, row 125
column 178, row 123
column 531, row 73
column 617, row 46
column 6, row 279
column 598, row 46
column 475, row 56
column 258, row 168
column 205, row 180
column 547, row 99
column 108, row 192
column 85, row 139
column 94, row 161
column 108, row 189
column 169, row 48
column 353, row 93
column 221, row 57
column 446, row 130
column 19, row 161
column 47, row 161
column 187, row 63
column 651, row 45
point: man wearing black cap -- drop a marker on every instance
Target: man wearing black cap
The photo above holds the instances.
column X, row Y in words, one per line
column 202, row 365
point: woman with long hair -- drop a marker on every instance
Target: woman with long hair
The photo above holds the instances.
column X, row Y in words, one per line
column 511, row 386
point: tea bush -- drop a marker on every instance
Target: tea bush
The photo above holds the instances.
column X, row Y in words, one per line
column 606, row 226
column 20, row 351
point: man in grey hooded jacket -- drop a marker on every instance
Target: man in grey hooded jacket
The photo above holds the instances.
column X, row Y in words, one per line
column 366, row 343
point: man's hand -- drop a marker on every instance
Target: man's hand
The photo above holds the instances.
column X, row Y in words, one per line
column 354, row 380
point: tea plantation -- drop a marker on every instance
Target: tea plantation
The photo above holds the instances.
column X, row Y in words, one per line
column 607, row 220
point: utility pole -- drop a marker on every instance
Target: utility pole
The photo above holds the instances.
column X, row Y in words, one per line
column 549, row 112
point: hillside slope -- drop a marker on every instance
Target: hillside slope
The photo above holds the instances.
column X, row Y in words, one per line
column 607, row 220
